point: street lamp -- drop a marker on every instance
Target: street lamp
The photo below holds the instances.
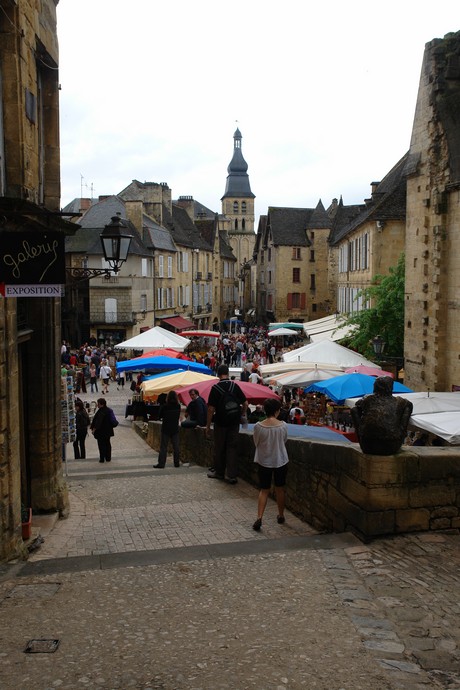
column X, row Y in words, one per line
column 115, row 242
column 378, row 343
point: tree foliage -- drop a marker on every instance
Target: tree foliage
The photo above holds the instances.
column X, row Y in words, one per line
column 385, row 317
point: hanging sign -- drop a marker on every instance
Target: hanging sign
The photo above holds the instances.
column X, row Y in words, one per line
column 32, row 260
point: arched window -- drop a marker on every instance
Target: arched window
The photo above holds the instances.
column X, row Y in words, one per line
column 235, row 207
column 243, row 207
column 236, row 223
column 243, row 224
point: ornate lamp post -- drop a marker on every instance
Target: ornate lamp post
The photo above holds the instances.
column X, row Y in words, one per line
column 115, row 240
column 378, row 343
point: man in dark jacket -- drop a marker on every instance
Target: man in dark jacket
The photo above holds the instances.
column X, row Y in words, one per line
column 197, row 410
column 102, row 428
column 225, row 430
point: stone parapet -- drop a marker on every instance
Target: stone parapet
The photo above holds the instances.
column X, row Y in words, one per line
column 336, row 487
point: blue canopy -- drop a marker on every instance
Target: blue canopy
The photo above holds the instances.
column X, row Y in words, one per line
column 350, row 386
column 161, row 364
column 313, row 432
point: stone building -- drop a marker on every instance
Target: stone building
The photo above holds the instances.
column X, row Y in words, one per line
column 32, row 226
column 432, row 314
column 291, row 255
column 367, row 239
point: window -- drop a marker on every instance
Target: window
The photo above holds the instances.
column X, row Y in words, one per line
column 235, row 207
column 243, row 207
column 146, row 268
column 314, row 308
column 161, row 266
column 236, row 223
column 169, row 266
column 243, row 224
column 296, row 300
column 269, row 277
column 110, row 310
column 269, row 258
column 262, row 257
column 312, row 282
column 296, row 275
column 296, row 253
column 143, row 302
column 312, row 255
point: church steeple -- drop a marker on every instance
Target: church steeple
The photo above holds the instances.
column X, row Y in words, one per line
column 238, row 179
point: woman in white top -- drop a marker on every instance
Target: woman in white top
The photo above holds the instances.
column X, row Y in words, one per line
column 270, row 437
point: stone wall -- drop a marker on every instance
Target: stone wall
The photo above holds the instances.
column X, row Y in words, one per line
column 335, row 487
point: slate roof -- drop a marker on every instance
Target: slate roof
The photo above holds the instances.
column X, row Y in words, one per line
column 288, row 226
column 199, row 209
column 388, row 203
column 319, row 219
column 87, row 239
column 238, row 178
column 157, row 237
column 183, row 230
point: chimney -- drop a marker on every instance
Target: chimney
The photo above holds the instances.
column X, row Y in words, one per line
column 134, row 212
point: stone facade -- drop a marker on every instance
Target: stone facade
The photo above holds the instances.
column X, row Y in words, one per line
column 30, row 328
column 432, row 315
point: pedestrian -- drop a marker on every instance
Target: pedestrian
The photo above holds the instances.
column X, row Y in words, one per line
column 227, row 405
column 93, row 377
column 82, row 424
column 271, row 456
column 120, row 380
column 102, row 427
column 169, row 414
column 105, row 373
column 197, row 410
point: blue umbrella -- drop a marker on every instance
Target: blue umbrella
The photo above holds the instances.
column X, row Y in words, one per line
column 350, row 386
column 162, row 373
column 161, row 364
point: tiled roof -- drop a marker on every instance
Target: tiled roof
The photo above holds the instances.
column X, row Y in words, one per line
column 158, row 237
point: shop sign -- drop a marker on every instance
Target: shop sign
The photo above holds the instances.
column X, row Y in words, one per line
column 32, row 260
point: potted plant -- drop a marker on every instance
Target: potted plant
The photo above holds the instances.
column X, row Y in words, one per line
column 26, row 521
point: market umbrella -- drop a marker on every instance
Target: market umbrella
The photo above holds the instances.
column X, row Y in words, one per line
column 254, row 392
column 164, row 352
column 350, row 386
column 160, row 364
column 370, row 371
column 305, row 377
column 156, row 337
column 326, row 351
column 200, row 334
column 281, row 331
column 443, row 424
column 162, row 384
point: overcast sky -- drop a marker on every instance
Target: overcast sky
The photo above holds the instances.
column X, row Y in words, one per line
column 323, row 93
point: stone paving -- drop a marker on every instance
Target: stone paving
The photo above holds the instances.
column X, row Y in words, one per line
column 158, row 581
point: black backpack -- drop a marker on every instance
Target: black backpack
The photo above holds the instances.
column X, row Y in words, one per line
column 228, row 411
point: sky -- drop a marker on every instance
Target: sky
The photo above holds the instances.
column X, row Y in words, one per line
column 323, row 93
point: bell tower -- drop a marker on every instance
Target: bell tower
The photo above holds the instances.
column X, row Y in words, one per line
column 238, row 209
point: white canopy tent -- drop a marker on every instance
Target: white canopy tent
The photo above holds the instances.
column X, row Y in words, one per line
column 334, row 335
column 156, row 337
column 327, row 352
column 281, row 331
column 438, row 413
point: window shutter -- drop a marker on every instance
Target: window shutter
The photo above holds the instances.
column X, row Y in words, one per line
column 302, row 300
column 289, row 300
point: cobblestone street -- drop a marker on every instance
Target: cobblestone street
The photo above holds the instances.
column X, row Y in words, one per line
column 157, row 580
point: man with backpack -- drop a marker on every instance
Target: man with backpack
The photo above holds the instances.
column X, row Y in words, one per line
column 227, row 405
